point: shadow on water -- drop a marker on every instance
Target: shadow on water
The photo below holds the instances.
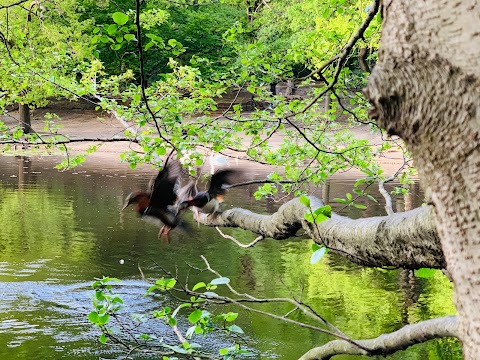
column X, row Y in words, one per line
column 59, row 231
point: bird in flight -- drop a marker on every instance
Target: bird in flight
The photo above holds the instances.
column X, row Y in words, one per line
column 157, row 206
column 208, row 202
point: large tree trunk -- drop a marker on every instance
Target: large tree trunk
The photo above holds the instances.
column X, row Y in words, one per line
column 425, row 88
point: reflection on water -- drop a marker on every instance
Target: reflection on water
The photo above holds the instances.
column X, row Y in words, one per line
column 58, row 231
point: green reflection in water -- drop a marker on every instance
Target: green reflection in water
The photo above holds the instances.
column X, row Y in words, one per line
column 60, row 230
column 363, row 302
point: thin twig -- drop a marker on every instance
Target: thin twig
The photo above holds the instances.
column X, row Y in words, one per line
column 385, row 194
column 261, row 237
column 249, row 298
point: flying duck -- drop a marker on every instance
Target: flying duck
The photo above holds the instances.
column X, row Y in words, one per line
column 208, row 202
column 157, row 205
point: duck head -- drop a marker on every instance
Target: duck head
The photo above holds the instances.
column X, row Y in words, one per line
column 137, row 197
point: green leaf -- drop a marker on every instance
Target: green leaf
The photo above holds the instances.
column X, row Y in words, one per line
column 149, row 45
column 425, row 273
column 324, row 210
column 359, row 206
column 145, row 337
column 359, row 182
column 129, row 37
column 103, row 338
column 154, row 37
column 173, row 42
column 341, row 201
column 315, row 247
column 309, row 217
column 231, row 316
column 93, row 317
column 117, row 299
column 120, row 18
column 220, row 281
column 181, row 306
column 305, row 200
column 112, row 29
column 195, row 316
column 199, row 286
column 190, row 332
column 170, row 283
column 103, row 319
column 161, row 150
column 151, row 288
column 99, row 295
column 172, row 321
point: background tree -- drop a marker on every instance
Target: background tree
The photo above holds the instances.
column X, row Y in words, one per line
column 42, row 56
column 187, row 32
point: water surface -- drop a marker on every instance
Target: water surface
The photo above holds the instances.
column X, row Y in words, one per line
column 60, row 230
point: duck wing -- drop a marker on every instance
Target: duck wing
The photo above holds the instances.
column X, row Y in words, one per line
column 219, row 180
column 187, row 192
column 166, row 183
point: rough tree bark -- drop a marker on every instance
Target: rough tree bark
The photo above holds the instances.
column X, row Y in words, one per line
column 407, row 239
column 425, row 88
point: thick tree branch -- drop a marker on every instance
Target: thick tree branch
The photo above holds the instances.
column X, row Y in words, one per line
column 408, row 239
column 388, row 343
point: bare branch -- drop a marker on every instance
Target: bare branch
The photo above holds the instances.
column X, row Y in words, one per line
column 389, row 343
column 238, row 242
column 386, row 195
column 179, row 334
column 143, row 84
column 298, row 305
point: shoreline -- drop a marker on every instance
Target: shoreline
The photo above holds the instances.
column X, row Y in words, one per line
column 88, row 123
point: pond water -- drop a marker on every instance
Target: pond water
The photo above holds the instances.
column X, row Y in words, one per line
column 60, row 230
